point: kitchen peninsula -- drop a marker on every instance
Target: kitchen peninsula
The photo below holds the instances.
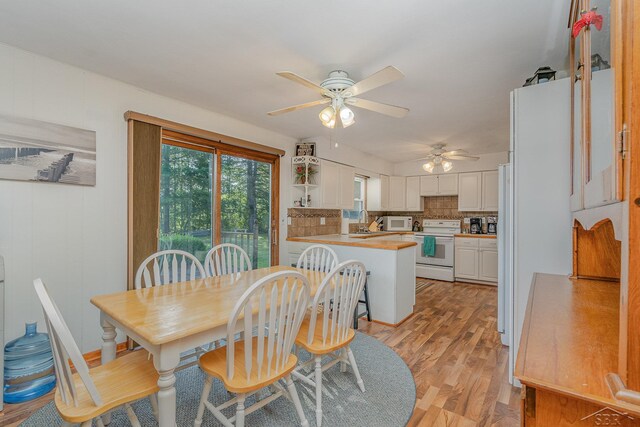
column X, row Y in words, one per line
column 391, row 260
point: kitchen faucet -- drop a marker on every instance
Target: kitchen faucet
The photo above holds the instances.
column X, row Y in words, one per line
column 365, row 219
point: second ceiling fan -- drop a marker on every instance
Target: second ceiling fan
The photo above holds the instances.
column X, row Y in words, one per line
column 340, row 92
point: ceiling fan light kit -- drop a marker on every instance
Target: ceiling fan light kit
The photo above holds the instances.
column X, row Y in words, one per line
column 338, row 90
column 441, row 158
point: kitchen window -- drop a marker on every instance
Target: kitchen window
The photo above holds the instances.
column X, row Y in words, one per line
column 359, row 199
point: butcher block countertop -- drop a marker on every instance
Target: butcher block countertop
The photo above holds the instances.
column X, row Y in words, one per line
column 569, row 340
column 476, row 236
column 359, row 241
column 379, row 234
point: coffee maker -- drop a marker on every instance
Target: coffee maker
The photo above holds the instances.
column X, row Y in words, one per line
column 492, row 226
column 475, row 225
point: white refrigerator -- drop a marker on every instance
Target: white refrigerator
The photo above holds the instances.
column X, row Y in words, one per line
column 505, row 252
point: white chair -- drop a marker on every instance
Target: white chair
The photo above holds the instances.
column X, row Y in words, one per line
column 90, row 393
column 318, row 258
column 166, row 267
column 273, row 309
column 171, row 266
column 328, row 330
column 226, row 258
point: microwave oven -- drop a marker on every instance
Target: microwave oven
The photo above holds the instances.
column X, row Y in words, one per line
column 397, row 223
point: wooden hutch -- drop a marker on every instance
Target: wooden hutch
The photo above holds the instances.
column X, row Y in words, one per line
column 579, row 355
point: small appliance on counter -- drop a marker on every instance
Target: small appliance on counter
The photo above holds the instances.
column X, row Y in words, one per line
column 492, row 225
column 475, row 225
column 416, row 226
column 397, row 223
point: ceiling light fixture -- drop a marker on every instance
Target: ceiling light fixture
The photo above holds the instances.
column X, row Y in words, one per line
column 428, row 167
column 346, row 116
column 327, row 114
column 447, row 165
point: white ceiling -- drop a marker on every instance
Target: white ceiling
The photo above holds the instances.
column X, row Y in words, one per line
column 460, row 58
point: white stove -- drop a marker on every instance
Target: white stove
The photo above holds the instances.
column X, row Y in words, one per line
column 439, row 266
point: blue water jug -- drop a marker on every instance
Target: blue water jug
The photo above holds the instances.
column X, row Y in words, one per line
column 28, row 366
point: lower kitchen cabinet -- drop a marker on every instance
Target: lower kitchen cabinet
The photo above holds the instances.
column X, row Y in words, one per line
column 476, row 259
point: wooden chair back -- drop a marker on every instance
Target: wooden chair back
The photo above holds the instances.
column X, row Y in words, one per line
column 64, row 348
column 166, row 267
column 318, row 258
column 279, row 301
column 334, row 303
column 226, row 258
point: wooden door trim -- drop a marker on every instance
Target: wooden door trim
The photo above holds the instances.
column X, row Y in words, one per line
column 202, row 133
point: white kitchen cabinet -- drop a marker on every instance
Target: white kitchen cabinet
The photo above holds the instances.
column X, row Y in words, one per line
column 429, row 185
column 397, row 193
column 378, row 193
column 414, row 201
column 466, row 263
column 470, row 191
column 439, row 185
column 329, row 186
column 476, row 259
column 490, row 191
column 448, row 184
column 347, row 177
column 488, row 263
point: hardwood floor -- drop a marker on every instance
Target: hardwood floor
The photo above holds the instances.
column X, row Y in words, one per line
column 451, row 346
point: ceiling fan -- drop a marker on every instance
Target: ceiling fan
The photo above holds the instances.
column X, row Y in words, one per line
column 340, row 92
column 440, row 157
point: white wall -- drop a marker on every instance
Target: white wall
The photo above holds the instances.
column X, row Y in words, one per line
column 543, row 232
column 75, row 237
column 486, row 162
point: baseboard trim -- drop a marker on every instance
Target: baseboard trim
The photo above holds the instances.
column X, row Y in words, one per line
column 94, row 355
column 393, row 325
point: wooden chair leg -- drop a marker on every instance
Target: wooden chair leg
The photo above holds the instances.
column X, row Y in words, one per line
column 133, row 419
column 343, row 363
column 318, row 381
column 366, row 299
column 296, row 401
column 99, row 422
column 153, row 399
column 86, row 424
column 240, row 410
column 205, row 396
column 352, row 360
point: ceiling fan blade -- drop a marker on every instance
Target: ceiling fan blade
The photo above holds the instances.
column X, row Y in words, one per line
column 299, row 107
column 460, row 157
column 456, row 153
column 429, row 157
column 386, row 75
column 378, row 107
column 308, row 83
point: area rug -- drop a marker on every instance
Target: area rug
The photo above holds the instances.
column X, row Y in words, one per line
column 388, row 401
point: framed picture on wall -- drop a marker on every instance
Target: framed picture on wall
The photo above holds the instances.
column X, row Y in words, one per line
column 306, row 149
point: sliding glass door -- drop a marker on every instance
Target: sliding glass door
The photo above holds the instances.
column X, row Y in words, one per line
column 211, row 195
column 245, row 206
column 186, row 200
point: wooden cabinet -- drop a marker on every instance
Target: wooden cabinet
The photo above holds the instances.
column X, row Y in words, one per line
column 329, row 186
column 414, row 201
column 476, row 259
column 346, row 180
column 439, row 185
column 397, row 193
column 378, row 193
column 470, row 191
column 490, row 191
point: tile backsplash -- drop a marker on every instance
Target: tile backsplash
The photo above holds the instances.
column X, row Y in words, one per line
column 306, row 222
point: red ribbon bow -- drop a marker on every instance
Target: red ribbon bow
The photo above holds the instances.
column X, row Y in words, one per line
column 588, row 18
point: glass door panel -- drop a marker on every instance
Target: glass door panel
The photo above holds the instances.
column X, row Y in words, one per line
column 245, row 206
column 186, row 189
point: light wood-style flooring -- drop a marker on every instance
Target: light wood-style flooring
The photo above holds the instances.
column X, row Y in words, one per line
column 451, row 346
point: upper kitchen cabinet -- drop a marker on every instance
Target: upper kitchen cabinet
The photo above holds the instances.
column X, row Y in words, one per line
column 439, row 185
column 397, row 193
column 378, row 193
column 490, row 191
column 478, row 191
column 470, row 191
column 330, row 185
column 347, row 179
column 414, row 202
column 597, row 130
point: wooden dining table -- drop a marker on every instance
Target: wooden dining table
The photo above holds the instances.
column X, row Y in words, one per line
column 170, row 319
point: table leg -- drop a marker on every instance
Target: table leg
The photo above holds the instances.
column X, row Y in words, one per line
column 108, row 352
column 165, row 365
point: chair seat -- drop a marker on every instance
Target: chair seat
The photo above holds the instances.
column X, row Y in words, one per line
column 125, row 379
column 316, row 346
column 214, row 363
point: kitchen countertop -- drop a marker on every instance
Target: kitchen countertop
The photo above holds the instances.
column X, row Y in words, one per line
column 477, row 236
column 377, row 234
column 348, row 240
